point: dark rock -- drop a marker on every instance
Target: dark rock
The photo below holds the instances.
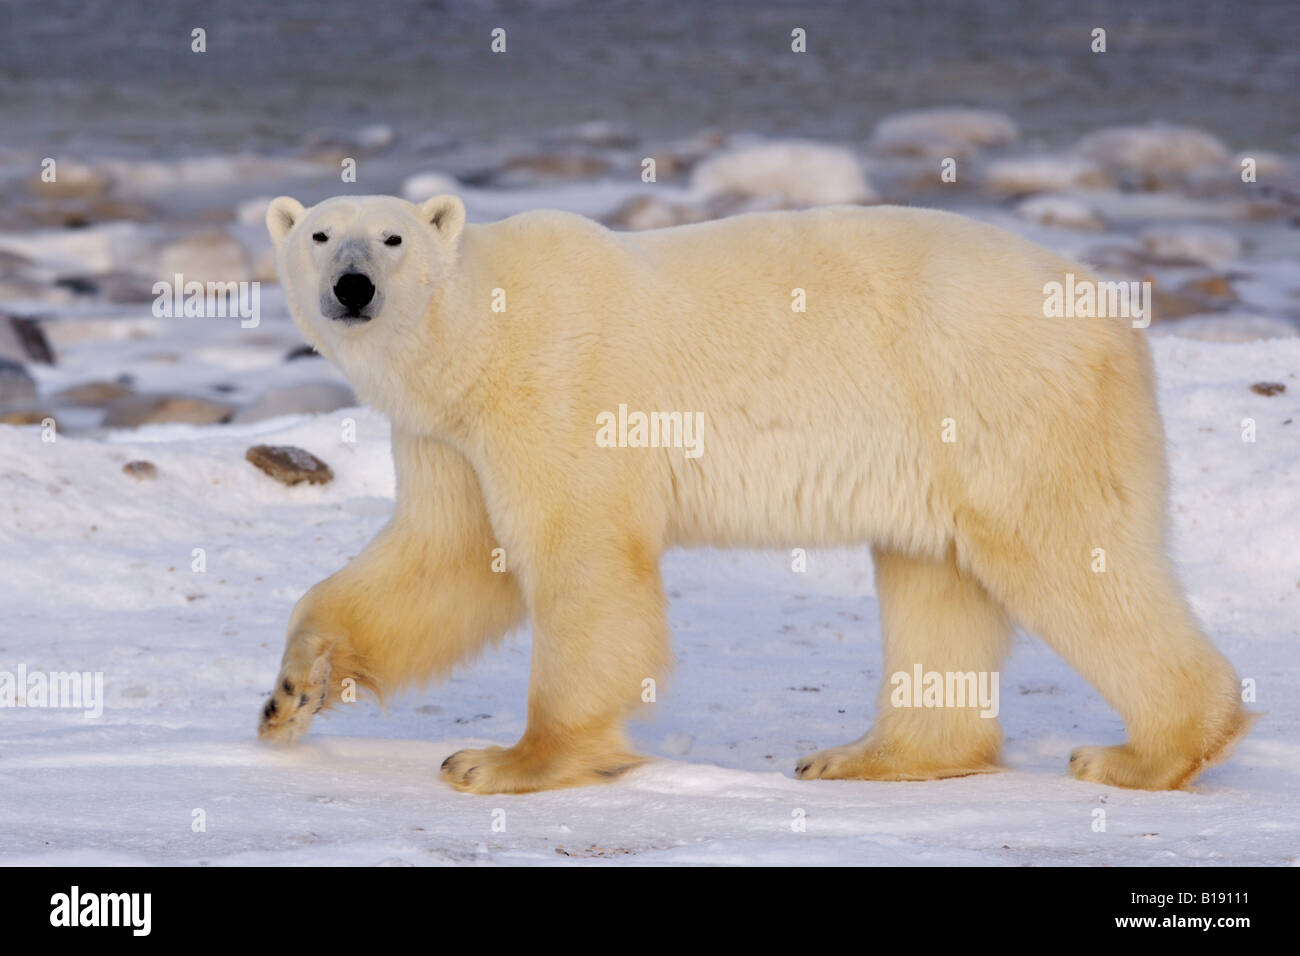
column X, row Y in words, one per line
column 289, row 464
column 124, row 287
column 141, row 470
column 1268, row 388
column 94, row 394
column 1214, row 286
column 1176, row 305
column 25, row 337
column 24, row 416
column 13, row 261
column 16, row 385
column 136, row 410
column 304, row 398
column 78, row 285
column 549, row 167
column 78, row 213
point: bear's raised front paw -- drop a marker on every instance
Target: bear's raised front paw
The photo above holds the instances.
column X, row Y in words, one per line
column 297, row 698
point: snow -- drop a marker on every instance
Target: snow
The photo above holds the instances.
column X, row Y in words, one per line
column 594, row 199
column 942, row 131
column 1062, row 211
column 95, row 575
column 1018, row 176
column 1231, row 326
column 1202, row 245
column 799, row 173
column 1154, row 148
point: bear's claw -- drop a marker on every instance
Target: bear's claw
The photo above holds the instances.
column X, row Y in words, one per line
column 297, row 698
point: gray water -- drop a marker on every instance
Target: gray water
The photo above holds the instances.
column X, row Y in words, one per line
column 118, row 78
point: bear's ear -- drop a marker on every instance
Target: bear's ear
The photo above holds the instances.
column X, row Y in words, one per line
column 283, row 212
column 446, row 214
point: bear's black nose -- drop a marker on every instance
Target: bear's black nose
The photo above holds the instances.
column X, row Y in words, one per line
column 354, row 290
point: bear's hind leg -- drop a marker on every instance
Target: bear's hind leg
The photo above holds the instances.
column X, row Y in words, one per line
column 1128, row 630
column 938, row 619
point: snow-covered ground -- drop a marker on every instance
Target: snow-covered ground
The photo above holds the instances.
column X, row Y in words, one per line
column 96, row 575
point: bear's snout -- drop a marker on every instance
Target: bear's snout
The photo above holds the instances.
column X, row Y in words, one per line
column 354, row 290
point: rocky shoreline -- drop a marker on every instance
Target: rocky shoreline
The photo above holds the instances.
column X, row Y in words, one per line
column 1214, row 227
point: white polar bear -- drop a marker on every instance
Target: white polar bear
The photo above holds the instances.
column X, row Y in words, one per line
column 540, row 373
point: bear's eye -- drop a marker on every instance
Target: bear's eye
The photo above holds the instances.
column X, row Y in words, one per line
column 393, row 241
column 319, row 236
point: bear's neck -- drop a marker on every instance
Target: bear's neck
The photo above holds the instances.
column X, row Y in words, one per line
column 432, row 386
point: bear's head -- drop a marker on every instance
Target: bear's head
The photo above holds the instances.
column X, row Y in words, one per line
column 358, row 267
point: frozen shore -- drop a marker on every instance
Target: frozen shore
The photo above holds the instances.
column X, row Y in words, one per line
column 98, row 576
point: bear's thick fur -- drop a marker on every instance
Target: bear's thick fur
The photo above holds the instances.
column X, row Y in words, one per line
column 1004, row 467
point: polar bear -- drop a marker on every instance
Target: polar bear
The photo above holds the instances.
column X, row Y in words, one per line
column 859, row 375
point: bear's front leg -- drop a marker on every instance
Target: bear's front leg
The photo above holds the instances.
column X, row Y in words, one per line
column 320, row 658
column 301, row 689
column 425, row 595
column 600, row 630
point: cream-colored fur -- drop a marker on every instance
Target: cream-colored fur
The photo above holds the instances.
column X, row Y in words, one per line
column 822, row 428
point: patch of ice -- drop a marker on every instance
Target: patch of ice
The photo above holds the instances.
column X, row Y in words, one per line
column 1040, row 174
column 799, row 173
column 1061, row 211
column 423, row 186
column 942, row 131
column 1201, row 245
column 1154, row 148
